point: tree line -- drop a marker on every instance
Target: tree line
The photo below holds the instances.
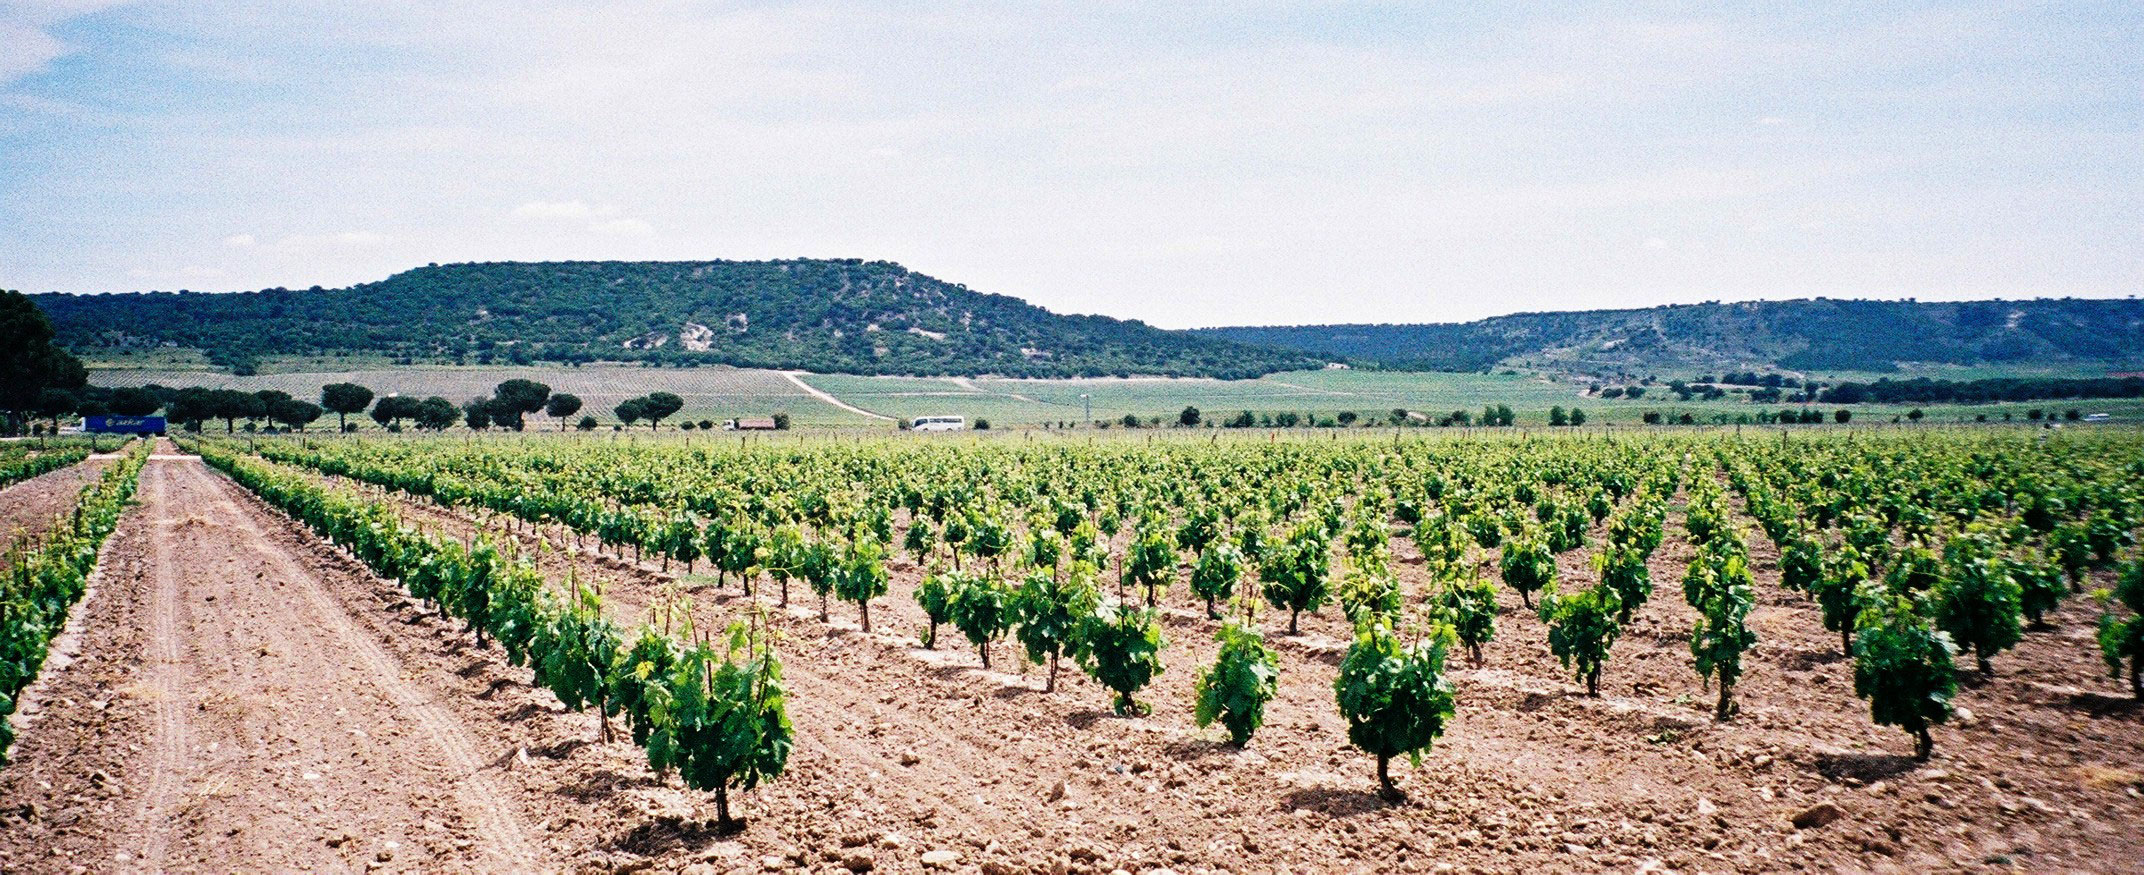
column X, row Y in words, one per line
column 1922, row 390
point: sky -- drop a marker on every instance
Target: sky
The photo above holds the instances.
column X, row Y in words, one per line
column 1184, row 163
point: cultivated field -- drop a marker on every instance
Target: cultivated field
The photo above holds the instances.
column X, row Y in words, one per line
column 244, row 695
column 718, row 393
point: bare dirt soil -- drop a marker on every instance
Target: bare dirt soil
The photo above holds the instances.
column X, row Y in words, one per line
column 908, row 758
column 28, row 508
column 248, row 699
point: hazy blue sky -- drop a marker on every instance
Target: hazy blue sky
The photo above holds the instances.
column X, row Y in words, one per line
column 1183, row 163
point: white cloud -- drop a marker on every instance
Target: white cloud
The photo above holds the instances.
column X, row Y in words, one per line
column 574, row 209
column 1656, row 243
column 607, row 220
column 188, row 273
column 337, row 240
column 239, row 240
column 1171, row 165
column 623, row 228
column 360, row 238
column 25, row 49
column 27, row 45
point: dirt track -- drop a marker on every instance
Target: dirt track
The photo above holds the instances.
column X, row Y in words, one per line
column 247, row 700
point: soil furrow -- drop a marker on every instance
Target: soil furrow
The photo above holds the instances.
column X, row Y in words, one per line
column 501, row 834
column 167, row 676
column 924, row 742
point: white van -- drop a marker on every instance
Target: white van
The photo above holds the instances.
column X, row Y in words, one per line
column 939, row 423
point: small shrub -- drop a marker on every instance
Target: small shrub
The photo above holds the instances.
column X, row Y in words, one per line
column 1395, row 697
column 1122, row 650
column 1235, row 689
column 1528, row 565
column 1903, row 666
column 1581, row 630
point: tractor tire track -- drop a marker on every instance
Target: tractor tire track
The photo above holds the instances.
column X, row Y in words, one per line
column 165, row 658
column 501, row 835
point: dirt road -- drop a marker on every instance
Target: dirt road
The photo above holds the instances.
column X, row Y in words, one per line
column 246, row 700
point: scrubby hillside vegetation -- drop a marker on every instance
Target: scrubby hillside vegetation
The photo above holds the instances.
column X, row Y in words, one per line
column 846, row 316
column 1815, row 334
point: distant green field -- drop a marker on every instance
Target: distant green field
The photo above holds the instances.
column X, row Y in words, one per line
column 720, row 393
column 1373, row 394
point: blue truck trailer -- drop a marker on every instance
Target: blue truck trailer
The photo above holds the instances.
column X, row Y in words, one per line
column 123, row 424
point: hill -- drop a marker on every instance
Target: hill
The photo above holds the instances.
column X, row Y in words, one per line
column 1806, row 335
column 834, row 316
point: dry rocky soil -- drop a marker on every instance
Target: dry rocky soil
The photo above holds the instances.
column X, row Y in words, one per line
column 245, row 697
column 28, row 508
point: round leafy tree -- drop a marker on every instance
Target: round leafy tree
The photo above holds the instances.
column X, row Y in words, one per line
column 1395, row 696
column 1903, row 666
